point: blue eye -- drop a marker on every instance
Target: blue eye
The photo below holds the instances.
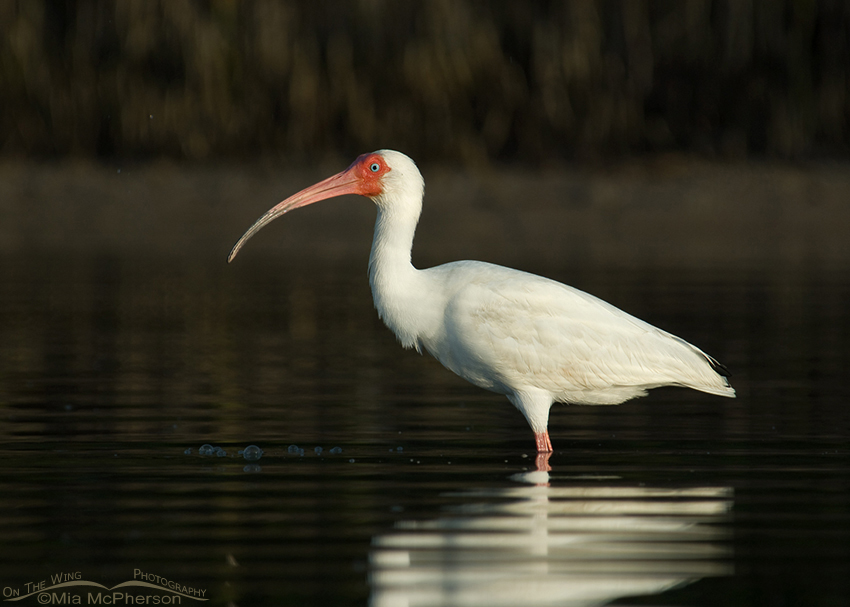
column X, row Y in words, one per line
column 374, row 167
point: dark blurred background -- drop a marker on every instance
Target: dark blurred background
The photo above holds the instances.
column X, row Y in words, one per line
column 624, row 131
column 448, row 80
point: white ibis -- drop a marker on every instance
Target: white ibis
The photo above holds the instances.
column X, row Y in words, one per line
column 532, row 339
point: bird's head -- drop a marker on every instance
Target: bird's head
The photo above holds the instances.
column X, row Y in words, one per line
column 383, row 176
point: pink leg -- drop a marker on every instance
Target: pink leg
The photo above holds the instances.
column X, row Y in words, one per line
column 544, row 445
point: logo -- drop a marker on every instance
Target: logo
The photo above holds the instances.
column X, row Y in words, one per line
column 71, row 589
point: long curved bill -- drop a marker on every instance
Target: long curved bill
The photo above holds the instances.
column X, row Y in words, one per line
column 345, row 182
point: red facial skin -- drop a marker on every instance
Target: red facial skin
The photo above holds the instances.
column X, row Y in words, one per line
column 369, row 179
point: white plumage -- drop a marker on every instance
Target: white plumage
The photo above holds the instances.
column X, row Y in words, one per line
column 533, row 339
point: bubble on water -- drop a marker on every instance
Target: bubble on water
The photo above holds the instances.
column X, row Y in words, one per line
column 219, row 452
column 188, row 451
column 351, row 461
column 336, row 450
column 318, row 450
column 206, row 449
column 293, row 449
column 252, row 453
column 399, row 449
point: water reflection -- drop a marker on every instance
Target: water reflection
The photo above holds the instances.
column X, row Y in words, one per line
column 547, row 540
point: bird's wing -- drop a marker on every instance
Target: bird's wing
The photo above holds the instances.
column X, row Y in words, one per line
column 524, row 330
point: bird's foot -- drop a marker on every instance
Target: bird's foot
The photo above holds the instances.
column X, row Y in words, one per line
column 544, row 445
column 544, row 451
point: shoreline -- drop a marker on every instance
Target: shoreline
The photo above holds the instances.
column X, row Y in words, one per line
column 656, row 212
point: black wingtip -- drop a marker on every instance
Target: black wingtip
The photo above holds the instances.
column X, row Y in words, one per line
column 719, row 367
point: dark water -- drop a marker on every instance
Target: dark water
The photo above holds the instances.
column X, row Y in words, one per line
column 114, row 371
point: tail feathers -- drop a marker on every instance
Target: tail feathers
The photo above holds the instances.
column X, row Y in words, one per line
column 727, row 390
column 723, row 373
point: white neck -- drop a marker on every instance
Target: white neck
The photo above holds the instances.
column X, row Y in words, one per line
column 398, row 288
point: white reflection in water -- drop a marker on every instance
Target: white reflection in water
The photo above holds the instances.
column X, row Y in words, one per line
column 537, row 544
